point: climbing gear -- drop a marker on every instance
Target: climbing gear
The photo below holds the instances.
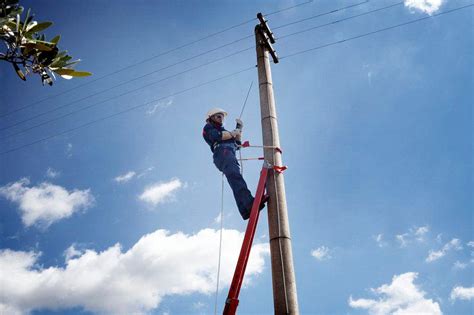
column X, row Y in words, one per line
column 214, row 111
column 246, row 144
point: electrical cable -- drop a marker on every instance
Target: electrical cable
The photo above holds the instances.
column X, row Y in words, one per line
column 284, row 57
column 124, row 83
column 340, row 20
column 320, row 14
column 126, row 111
column 160, row 69
column 375, row 32
column 149, row 59
column 120, row 95
column 288, row 8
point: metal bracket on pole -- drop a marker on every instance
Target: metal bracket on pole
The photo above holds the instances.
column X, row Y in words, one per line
column 268, row 37
column 264, row 24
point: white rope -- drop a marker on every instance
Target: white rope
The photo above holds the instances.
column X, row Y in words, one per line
column 220, row 244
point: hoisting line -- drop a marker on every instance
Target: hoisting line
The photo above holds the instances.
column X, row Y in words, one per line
column 220, row 244
column 240, row 116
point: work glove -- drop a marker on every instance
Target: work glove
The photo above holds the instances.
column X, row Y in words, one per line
column 237, row 134
column 240, row 124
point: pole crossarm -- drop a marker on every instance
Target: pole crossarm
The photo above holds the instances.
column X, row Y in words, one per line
column 267, row 36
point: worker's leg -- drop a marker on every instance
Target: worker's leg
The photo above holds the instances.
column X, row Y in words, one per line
column 227, row 163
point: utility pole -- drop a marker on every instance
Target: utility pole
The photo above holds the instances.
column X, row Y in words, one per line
column 283, row 276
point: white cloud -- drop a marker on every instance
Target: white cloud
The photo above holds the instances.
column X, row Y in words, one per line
column 46, row 203
column 72, row 252
column 413, row 234
column 402, row 239
column 454, row 244
column 160, row 105
column 125, row 282
column 146, row 171
column 51, row 173
column 69, row 150
column 435, row 255
column 401, row 297
column 125, row 177
column 218, row 219
column 161, row 192
column 461, row 293
column 470, row 244
column 459, row 265
column 379, row 239
column 198, row 305
column 420, row 233
column 426, row 6
column 321, row 253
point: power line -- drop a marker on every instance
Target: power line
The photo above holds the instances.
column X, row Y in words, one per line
column 163, row 68
column 341, row 20
column 319, row 15
column 125, row 111
column 375, row 32
column 123, row 94
column 149, row 59
column 235, row 73
column 288, row 8
column 123, row 83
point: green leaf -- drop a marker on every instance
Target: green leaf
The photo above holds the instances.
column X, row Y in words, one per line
column 56, row 39
column 39, row 27
column 17, row 23
column 80, row 74
column 42, row 47
column 64, row 71
column 27, row 19
column 19, row 72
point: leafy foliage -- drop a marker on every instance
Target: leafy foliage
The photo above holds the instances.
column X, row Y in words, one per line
column 28, row 50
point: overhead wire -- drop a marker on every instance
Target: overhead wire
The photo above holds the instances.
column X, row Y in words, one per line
column 151, row 58
column 147, row 74
column 125, row 111
column 375, row 32
column 340, row 20
column 284, row 57
column 319, row 15
column 125, row 82
column 120, row 95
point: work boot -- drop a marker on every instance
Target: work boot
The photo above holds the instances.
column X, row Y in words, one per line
column 264, row 201
column 260, row 207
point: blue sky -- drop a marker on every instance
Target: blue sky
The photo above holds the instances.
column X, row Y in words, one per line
column 121, row 216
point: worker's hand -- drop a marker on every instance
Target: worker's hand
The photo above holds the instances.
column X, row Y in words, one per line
column 236, row 133
column 240, row 124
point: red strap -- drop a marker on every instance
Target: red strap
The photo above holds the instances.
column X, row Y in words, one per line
column 245, row 144
column 280, row 169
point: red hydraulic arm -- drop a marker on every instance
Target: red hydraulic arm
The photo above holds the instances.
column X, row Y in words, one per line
column 233, row 298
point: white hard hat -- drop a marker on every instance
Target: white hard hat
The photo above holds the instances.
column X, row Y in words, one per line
column 214, row 111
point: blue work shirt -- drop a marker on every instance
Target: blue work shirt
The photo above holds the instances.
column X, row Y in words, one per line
column 212, row 134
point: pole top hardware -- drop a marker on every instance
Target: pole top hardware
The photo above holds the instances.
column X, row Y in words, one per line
column 264, row 24
column 267, row 35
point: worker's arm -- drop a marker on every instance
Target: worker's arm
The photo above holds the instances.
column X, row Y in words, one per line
column 215, row 135
column 226, row 135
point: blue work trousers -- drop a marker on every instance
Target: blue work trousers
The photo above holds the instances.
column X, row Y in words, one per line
column 226, row 162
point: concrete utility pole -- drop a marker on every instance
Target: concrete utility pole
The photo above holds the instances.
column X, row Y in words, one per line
column 283, row 276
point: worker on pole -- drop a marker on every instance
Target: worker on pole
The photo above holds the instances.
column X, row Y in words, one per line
column 224, row 144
